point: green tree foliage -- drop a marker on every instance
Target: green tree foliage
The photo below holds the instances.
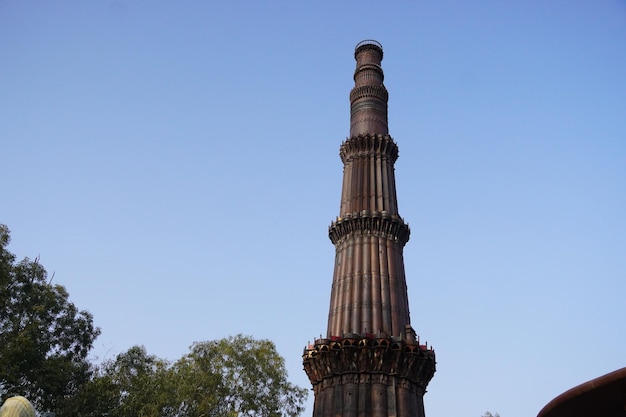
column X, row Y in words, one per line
column 237, row 376
column 135, row 384
column 44, row 338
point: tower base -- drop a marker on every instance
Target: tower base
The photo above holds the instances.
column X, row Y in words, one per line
column 357, row 376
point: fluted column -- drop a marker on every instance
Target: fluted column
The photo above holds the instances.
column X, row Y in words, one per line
column 368, row 175
column 369, row 293
column 370, row 364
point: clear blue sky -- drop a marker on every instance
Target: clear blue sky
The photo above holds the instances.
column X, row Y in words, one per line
column 175, row 164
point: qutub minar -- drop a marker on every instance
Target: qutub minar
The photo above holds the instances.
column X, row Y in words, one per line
column 370, row 364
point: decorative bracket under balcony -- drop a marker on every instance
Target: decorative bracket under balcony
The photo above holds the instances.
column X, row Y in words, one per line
column 379, row 224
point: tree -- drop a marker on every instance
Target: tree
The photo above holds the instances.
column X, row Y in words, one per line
column 135, row 384
column 488, row 414
column 237, row 376
column 44, row 338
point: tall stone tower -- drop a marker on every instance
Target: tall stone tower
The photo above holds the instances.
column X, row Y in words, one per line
column 370, row 364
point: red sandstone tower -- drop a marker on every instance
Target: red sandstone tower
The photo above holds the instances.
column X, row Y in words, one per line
column 370, row 363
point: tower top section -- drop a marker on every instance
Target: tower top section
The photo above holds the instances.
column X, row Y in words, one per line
column 368, row 98
column 371, row 44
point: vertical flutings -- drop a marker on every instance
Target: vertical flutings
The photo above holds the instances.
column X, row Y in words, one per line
column 369, row 364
